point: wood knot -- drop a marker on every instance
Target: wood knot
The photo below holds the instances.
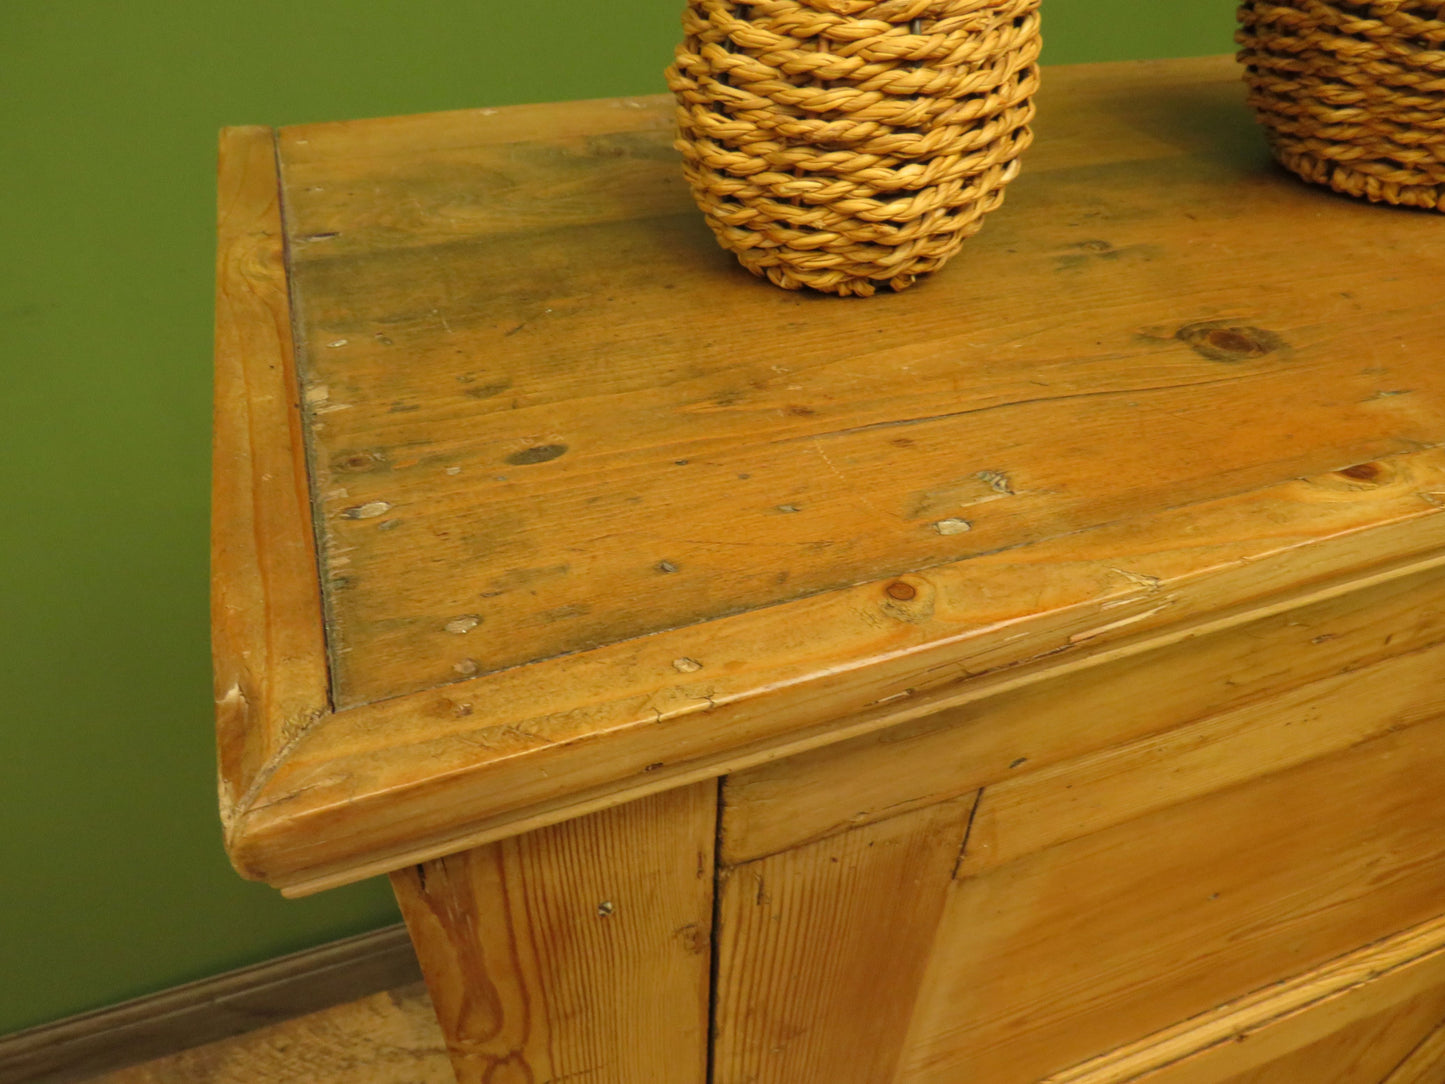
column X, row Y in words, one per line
column 1363, row 472
column 542, row 453
column 359, row 462
column 903, row 592
column 1219, row 341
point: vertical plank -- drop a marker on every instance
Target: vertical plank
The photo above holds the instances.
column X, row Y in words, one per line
column 577, row 952
column 266, row 629
column 821, row 949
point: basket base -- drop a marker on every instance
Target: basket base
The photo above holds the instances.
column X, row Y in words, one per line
column 834, row 275
column 1348, row 181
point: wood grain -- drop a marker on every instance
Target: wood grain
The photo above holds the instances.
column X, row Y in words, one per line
column 535, row 387
column 428, row 775
column 1147, row 446
column 266, row 635
column 1005, row 742
column 1426, row 1063
column 1138, row 926
column 1073, row 799
column 1350, row 1021
column 1359, row 1053
column 580, row 951
column 821, row 950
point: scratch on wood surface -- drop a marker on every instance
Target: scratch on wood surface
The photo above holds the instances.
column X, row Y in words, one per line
column 863, row 497
column 967, row 832
column 1108, row 393
column 1089, row 634
column 231, row 697
column 370, row 510
column 904, row 695
column 1153, row 583
column 998, row 481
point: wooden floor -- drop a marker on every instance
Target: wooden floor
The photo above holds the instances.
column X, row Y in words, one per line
column 389, row 1038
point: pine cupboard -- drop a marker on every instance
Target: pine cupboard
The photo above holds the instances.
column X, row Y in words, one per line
column 1038, row 675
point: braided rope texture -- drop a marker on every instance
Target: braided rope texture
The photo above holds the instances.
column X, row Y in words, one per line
column 845, row 145
column 1352, row 95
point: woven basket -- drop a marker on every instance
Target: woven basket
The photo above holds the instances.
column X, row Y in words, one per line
column 1352, row 95
column 845, row 145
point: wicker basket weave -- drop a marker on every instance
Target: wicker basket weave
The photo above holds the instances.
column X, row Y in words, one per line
column 845, row 145
column 1352, row 95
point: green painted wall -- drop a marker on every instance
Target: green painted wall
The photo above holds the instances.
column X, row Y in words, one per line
column 112, row 879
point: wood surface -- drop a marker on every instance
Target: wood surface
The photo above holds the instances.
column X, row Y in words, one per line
column 523, row 413
column 820, row 950
column 1354, row 1020
column 581, row 951
column 1170, row 391
column 1367, row 1052
column 266, row 636
column 1069, row 801
column 210, row 1010
column 375, row 786
column 1426, row 1063
column 1265, row 674
column 1132, row 928
column 386, row 1038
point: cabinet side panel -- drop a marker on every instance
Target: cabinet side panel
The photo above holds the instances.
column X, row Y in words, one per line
column 821, row 950
column 580, row 949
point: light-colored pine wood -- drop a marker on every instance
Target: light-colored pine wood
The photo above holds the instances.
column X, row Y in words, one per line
column 1001, row 742
column 1425, row 1064
column 1142, row 440
column 1073, row 799
column 1130, row 929
column 1360, row 1053
column 266, row 633
column 579, row 951
column 387, row 1038
column 1364, row 1052
column 1132, row 521
column 618, row 401
column 430, row 774
column 1350, row 1021
column 821, row 949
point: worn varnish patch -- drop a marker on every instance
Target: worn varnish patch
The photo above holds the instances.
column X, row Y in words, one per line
column 529, row 354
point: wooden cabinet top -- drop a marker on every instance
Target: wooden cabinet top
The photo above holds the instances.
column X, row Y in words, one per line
column 529, row 501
